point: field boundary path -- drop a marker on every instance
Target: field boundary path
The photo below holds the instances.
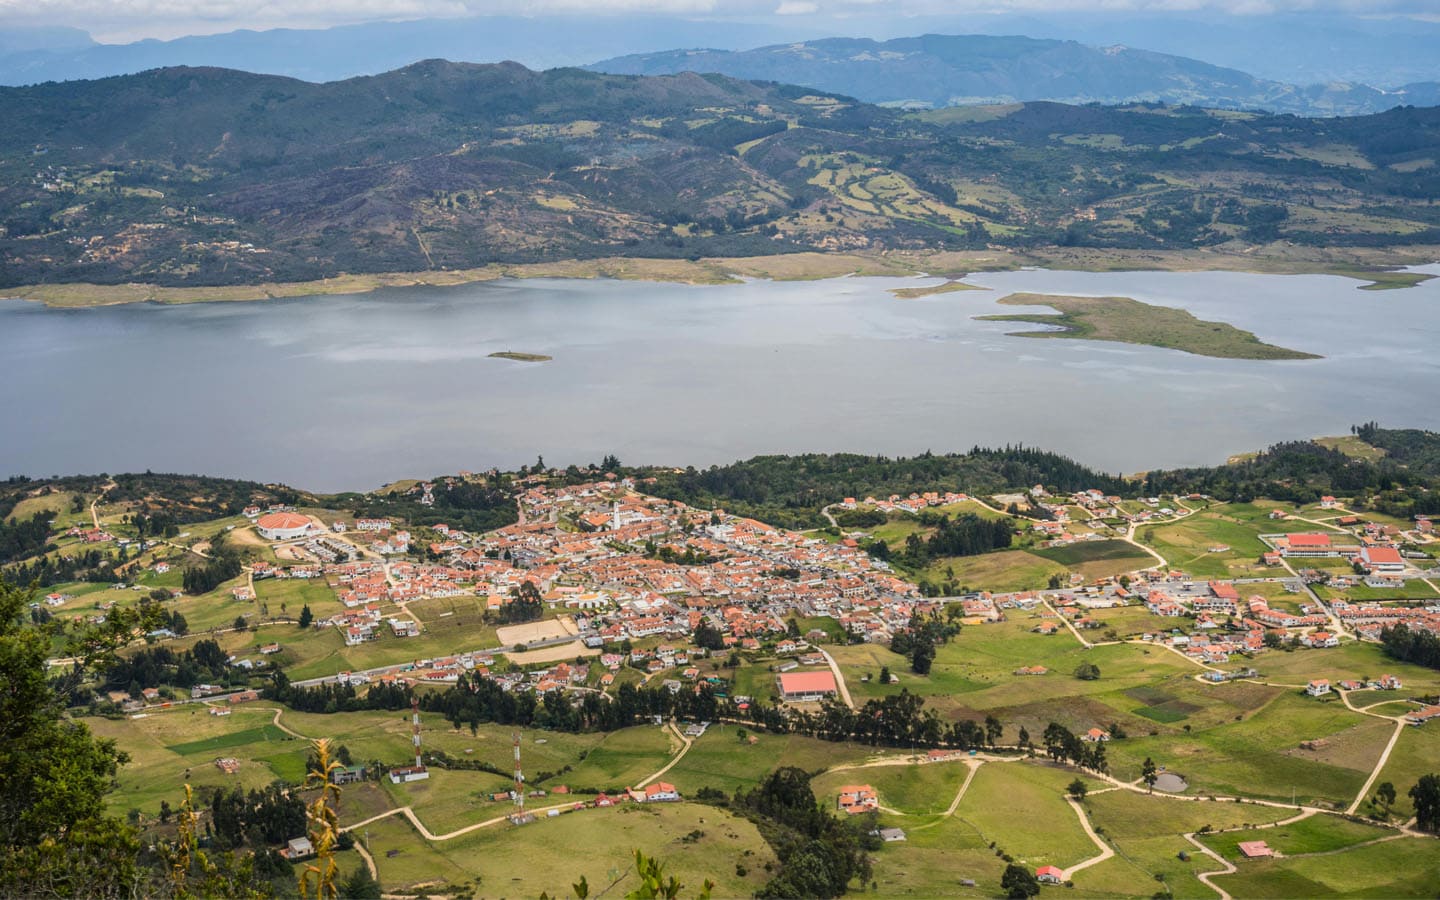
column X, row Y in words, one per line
column 839, row 678
column 1204, row 877
column 409, row 812
column 1106, row 851
column 685, row 745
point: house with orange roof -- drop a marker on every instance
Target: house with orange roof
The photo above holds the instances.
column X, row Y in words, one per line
column 857, row 798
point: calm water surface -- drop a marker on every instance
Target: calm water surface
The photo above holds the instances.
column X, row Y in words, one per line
column 349, row 392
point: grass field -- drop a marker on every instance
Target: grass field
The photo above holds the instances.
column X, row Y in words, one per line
column 1132, row 322
column 167, row 745
column 914, row 791
column 1003, row 570
column 1316, row 834
column 1187, row 544
column 1007, row 800
column 58, row 502
column 1132, row 620
column 1098, row 559
column 1414, row 589
column 1260, row 755
column 1352, row 659
column 1146, row 830
column 973, row 676
column 718, row 759
column 1408, row 867
column 1416, row 753
column 694, row 842
column 170, row 749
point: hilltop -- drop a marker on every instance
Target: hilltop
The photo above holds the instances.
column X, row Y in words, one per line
column 190, row 176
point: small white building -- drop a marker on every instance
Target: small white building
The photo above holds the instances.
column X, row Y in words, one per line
column 406, row 774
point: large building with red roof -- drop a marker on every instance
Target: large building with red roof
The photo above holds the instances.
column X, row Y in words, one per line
column 802, row 686
column 283, row 526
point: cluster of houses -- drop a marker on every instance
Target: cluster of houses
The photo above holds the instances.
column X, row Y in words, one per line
column 1319, row 687
column 612, row 556
column 914, row 503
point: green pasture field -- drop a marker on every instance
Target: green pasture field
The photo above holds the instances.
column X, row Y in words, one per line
column 1315, row 834
column 1002, row 806
column 1416, row 753
column 1406, row 867
column 695, row 843
column 1351, row 660
column 1002, row 570
column 1414, row 589
column 1260, row 755
column 911, row 790
column 58, row 503
column 1098, row 559
column 1146, row 830
column 172, row 748
column 1007, row 800
column 973, row 676
column 1186, row 544
column 294, row 593
column 718, row 759
column 1132, row 620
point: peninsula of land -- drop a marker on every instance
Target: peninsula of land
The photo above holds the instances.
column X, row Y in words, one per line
column 1128, row 321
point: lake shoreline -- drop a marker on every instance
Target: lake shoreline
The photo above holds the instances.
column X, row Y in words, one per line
column 1380, row 268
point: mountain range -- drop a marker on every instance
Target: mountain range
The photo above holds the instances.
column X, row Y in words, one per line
column 946, row 70
column 190, row 176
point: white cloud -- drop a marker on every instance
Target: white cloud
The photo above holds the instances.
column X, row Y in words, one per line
column 796, row 8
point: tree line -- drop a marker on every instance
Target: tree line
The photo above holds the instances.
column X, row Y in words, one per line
column 1413, row 646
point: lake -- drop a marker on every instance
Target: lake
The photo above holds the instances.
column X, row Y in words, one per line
column 349, row 392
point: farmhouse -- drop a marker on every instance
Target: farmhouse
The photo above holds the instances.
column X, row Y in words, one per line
column 803, row 686
column 1318, row 687
column 857, row 798
column 1255, row 849
column 659, row 792
column 1049, row 875
column 1421, row 716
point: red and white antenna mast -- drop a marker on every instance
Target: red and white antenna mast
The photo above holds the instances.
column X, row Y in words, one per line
column 415, row 729
column 519, row 813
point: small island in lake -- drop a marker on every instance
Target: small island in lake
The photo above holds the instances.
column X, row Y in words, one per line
column 521, row 357
column 915, row 293
column 1132, row 322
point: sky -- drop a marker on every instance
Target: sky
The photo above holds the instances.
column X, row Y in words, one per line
column 116, row 21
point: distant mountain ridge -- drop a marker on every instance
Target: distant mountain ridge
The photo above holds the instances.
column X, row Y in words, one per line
column 205, row 176
column 32, row 55
column 948, row 70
